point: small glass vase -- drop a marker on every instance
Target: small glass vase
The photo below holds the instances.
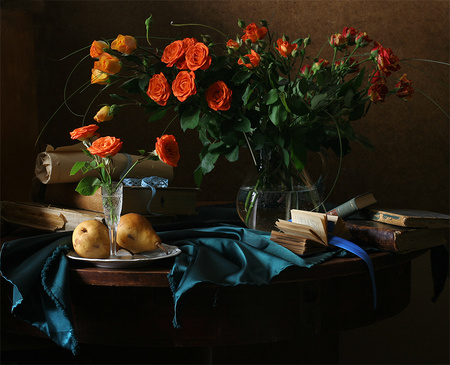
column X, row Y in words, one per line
column 269, row 191
column 112, row 198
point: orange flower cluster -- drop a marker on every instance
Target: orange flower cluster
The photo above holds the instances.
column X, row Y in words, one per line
column 106, row 63
column 187, row 55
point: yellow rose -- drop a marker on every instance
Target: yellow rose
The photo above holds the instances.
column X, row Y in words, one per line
column 124, row 44
column 104, row 114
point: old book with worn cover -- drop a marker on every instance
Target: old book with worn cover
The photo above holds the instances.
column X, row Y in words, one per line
column 409, row 218
column 394, row 239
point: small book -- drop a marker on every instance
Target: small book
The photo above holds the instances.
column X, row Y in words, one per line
column 354, row 205
column 409, row 218
column 307, row 233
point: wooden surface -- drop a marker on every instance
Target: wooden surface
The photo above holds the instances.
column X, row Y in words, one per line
column 115, row 309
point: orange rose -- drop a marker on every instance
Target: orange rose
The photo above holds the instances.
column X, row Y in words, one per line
column 172, row 53
column 105, row 146
column 404, row 88
column 197, row 57
column 254, row 33
column 124, row 44
column 166, row 148
column 104, row 114
column 97, row 48
column 159, row 89
column 181, row 63
column 233, row 44
column 285, row 48
column 254, row 60
column 108, row 63
column 84, row 133
column 99, row 77
column 184, row 85
column 218, row 96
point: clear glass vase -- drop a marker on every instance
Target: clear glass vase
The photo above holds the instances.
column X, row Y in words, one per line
column 112, row 198
column 271, row 190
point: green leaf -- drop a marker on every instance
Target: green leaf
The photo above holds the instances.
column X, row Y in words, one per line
column 298, row 155
column 190, row 118
column 317, row 99
column 298, row 105
column 233, row 155
column 131, row 86
column 243, row 125
column 77, row 167
column 240, row 77
column 198, row 176
column 88, row 185
column 277, row 114
column 158, row 114
column 208, row 162
column 271, row 97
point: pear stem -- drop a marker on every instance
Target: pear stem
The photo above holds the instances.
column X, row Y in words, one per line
column 159, row 245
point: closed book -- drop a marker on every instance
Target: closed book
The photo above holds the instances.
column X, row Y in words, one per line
column 409, row 218
column 394, row 239
column 165, row 201
column 353, row 205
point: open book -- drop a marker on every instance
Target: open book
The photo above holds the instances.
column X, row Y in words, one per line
column 308, row 232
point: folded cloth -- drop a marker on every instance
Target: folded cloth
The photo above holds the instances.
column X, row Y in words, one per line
column 38, row 269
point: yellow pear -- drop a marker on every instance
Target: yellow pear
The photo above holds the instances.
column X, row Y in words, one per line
column 136, row 234
column 90, row 239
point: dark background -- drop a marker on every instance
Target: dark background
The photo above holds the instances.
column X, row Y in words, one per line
column 408, row 169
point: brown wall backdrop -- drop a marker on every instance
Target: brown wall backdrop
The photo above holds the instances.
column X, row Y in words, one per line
column 408, row 169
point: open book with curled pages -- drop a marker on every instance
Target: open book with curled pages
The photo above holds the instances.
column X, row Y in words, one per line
column 308, row 232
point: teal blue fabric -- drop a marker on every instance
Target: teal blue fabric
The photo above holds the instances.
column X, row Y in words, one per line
column 221, row 254
column 228, row 256
column 38, row 269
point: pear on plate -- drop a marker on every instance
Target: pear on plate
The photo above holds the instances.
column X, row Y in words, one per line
column 90, row 239
column 136, row 234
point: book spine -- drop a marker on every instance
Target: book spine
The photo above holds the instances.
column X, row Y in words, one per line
column 345, row 210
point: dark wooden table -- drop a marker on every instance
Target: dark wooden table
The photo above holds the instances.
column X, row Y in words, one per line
column 125, row 315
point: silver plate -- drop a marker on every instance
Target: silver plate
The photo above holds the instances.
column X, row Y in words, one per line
column 126, row 260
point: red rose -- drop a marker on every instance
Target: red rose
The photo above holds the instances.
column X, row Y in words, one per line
column 387, row 61
column 378, row 92
column 105, row 146
column 166, row 148
column 84, row 133
column 181, row 63
column 184, row 85
column 404, row 88
column 159, row 89
column 218, row 96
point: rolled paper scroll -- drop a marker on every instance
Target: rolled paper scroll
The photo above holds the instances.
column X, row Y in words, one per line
column 53, row 166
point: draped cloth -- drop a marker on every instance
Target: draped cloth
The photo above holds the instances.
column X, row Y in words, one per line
column 222, row 254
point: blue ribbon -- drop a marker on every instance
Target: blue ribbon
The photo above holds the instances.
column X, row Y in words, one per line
column 151, row 182
column 358, row 251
